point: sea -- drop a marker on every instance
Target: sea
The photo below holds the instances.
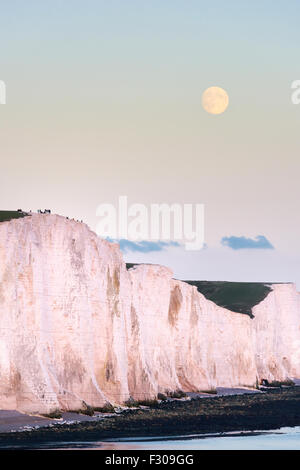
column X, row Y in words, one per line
column 287, row 438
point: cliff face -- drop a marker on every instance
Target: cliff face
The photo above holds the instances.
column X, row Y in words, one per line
column 276, row 328
column 64, row 294
column 77, row 328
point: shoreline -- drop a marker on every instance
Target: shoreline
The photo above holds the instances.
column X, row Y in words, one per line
column 16, row 421
column 260, row 411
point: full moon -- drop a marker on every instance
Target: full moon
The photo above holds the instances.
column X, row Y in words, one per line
column 215, row 100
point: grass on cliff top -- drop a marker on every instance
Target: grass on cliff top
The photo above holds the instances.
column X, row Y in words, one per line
column 239, row 297
column 5, row 216
column 130, row 265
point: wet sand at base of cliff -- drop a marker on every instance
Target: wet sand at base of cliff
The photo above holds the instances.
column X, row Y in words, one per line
column 218, row 414
column 14, row 421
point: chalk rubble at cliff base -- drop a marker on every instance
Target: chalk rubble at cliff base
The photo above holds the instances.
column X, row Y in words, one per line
column 78, row 329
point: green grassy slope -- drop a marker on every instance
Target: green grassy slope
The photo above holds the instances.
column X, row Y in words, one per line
column 5, row 216
column 130, row 265
column 236, row 296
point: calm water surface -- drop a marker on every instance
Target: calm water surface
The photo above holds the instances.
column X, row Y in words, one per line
column 280, row 439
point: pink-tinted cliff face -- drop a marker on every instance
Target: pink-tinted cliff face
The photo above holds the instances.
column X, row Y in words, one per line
column 276, row 328
column 184, row 341
column 77, row 328
column 64, row 295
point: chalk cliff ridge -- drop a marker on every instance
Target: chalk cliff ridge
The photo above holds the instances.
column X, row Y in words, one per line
column 77, row 328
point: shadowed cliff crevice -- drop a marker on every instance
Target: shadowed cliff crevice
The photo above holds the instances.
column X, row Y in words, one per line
column 175, row 304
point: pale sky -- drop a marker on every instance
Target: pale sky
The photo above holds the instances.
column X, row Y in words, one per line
column 104, row 100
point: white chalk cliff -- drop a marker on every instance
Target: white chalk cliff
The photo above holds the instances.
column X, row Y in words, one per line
column 77, row 327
